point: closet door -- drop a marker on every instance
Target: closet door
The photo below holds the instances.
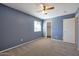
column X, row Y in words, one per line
column 69, row 30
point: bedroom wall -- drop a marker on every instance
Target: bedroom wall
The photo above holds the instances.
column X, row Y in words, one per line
column 16, row 27
column 57, row 26
column 77, row 28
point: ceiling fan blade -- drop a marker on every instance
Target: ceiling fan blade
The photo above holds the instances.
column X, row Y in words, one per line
column 50, row 8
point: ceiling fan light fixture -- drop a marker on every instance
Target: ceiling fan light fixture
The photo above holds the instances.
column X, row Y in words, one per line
column 44, row 12
column 45, row 8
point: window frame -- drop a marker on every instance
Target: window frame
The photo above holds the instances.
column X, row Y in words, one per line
column 37, row 26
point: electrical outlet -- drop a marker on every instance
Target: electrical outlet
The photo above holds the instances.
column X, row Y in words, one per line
column 21, row 39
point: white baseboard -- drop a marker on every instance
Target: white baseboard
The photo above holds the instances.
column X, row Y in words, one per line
column 57, row 40
column 18, row 45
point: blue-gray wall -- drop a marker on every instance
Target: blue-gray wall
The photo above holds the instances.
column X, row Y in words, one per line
column 15, row 25
column 77, row 28
column 57, row 26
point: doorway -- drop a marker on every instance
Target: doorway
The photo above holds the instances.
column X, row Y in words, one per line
column 48, row 29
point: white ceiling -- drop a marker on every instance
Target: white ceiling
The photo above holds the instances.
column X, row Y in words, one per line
column 33, row 9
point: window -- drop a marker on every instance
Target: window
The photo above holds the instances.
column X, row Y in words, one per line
column 37, row 26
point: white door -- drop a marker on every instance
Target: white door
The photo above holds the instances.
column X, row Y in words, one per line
column 69, row 30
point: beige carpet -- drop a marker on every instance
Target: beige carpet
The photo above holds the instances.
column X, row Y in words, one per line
column 44, row 47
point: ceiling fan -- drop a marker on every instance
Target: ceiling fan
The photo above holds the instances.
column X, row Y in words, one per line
column 46, row 8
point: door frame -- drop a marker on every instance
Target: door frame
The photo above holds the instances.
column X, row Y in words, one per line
column 51, row 27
